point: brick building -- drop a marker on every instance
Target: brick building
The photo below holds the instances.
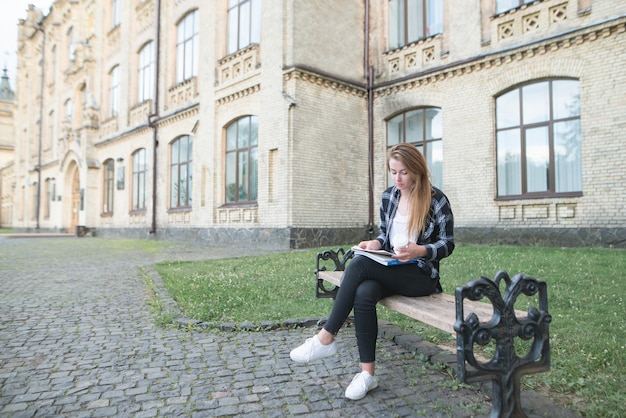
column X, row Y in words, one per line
column 266, row 123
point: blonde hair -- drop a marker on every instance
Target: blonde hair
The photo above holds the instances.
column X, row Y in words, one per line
column 421, row 193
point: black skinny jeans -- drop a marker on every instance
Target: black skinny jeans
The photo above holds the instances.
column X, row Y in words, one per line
column 363, row 284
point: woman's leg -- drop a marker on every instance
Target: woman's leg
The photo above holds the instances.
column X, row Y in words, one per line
column 408, row 280
column 322, row 345
column 366, row 321
column 356, row 272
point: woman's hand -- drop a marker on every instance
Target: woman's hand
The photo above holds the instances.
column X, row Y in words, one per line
column 410, row 252
column 370, row 245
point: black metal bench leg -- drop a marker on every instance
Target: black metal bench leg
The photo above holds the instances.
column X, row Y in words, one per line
column 505, row 368
column 505, row 398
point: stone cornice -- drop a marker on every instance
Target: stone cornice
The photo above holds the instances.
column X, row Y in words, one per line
column 238, row 94
column 179, row 116
column 324, row 80
column 543, row 46
column 144, row 129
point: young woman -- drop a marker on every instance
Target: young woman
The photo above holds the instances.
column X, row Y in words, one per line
column 412, row 208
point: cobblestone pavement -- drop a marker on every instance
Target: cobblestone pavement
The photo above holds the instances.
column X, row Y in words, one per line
column 78, row 338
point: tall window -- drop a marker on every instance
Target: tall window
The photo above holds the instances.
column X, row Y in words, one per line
column 46, row 199
column 116, row 13
column 244, row 24
column 146, row 78
column 422, row 128
column 504, row 5
column 71, row 48
column 181, row 172
column 139, row 179
column 35, row 205
column 50, row 139
column 108, row 187
column 187, row 47
column 114, row 91
column 242, row 160
column 412, row 20
column 53, row 67
column 68, row 110
column 538, row 139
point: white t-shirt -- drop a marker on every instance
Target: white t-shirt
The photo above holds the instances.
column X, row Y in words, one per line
column 399, row 235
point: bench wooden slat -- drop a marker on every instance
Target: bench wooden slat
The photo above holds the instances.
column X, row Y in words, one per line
column 438, row 310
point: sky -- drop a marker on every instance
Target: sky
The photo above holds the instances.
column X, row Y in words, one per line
column 10, row 12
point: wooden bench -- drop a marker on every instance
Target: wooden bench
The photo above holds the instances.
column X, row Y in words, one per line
column 487, row 323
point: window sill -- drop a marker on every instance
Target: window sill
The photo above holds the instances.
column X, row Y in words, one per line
column 179, row 209
column 539, row 196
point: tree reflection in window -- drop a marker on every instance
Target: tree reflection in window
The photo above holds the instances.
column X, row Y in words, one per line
column 242, row 160
column 181, row 172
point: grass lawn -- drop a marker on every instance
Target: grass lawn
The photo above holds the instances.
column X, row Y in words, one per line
column 585, row 299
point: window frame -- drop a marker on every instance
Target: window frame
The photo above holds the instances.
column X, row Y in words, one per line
column 499, row 9
column 250, row 184
column 176, row 165
column 69, row 110
column 247, row 16
column 71, row 48
column 138, row 181
column 400, row 11
column 424, row 144
column 116, row 13
column 146, row 73
column 47, row 198
column 108, row 186
column 114, row 91
column 187, row 47
column 524, row 143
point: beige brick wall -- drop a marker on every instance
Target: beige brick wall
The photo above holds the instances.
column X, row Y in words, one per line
column 305, row 82
column 329, row 156
column 327, row 35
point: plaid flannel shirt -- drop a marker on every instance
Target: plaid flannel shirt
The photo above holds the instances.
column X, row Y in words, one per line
column 438, row 236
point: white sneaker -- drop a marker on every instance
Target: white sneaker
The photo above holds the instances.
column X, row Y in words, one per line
column 312, row 349
column 360, row 385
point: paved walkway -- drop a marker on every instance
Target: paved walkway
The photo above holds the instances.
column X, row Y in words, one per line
column 78, row 339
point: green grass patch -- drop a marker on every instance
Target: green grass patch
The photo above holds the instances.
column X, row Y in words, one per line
column 585, row 299
column 272, row 287
column 6, row 231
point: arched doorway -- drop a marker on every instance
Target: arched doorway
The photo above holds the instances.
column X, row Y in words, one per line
column 75, row 202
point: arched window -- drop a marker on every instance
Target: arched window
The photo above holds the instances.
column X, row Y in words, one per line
column 68, row 110
column 71, row 48
column 146, row 78
column 244, row 24
column 422, row 128
column 187, row 45
column 108, row 187
column 181, row 172
column 114, row 91
column 116, row 13
column 139, row 180
column 53, row 68
column 242, row 138
column 50, row 138
column 538, row 140
column 47, row 198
